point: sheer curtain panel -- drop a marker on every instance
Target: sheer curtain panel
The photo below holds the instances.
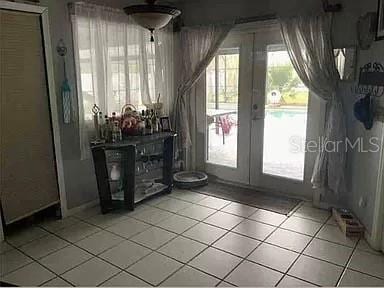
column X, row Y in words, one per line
column 117, row 64
column 308, row 41
column 198, row 45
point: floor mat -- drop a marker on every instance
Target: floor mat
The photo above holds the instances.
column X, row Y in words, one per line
column 275, row 203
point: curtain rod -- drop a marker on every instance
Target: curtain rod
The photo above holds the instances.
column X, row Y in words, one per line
column 178, row 24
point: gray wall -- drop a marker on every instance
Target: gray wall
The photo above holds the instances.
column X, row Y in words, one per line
column 362, row 167
column 79, row 176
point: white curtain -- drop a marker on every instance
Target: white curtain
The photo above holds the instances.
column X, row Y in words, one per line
column 308, row 41
column 198, row 47
column 117, row 64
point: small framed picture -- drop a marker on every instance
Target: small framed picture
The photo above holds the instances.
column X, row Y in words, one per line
column 380, row 20
column 165, row 124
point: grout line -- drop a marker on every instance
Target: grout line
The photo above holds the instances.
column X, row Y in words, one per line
column 179, row 235
column 301, row 254
column 346, row 266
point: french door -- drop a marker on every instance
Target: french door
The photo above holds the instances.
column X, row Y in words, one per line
column 257, row 111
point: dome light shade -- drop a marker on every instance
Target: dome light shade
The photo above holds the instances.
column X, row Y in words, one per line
column 152, row 16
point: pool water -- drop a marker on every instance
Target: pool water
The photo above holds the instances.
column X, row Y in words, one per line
column 284, row 138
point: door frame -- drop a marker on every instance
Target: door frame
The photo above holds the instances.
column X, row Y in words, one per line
column 54, row 114
column 240, row 174
column 270, row 34
column 315, row 128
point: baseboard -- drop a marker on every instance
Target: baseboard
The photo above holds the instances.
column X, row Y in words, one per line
column 82, row 207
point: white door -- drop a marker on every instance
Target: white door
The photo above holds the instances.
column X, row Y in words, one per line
column 228, row 86
column 262, row 141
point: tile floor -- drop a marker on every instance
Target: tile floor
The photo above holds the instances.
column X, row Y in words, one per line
column 189, row 239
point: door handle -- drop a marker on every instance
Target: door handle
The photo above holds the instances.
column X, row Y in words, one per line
column 255, row 115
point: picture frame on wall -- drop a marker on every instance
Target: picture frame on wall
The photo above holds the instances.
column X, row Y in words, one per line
column 380, row 20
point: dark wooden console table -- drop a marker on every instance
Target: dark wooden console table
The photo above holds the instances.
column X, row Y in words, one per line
column 133, row 170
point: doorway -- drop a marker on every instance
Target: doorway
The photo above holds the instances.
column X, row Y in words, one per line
column 256, row 115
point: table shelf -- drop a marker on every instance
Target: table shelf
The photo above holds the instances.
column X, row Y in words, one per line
column 123, row 173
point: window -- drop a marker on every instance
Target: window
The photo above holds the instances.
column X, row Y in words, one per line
column 116, row 65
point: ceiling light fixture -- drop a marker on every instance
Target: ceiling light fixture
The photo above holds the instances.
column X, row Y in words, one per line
column 152, row 16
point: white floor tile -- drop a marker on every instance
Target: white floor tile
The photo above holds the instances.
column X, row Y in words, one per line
column 368, row 263
column 316, row 271
column 173, row 205
column 128, row 228
column 215, row 262
column 91, row 273
column 268, row 217
column 25, row 235
column 31, row 275
column 125, row 254
column 177, row 224
column 237, row 244
column 65, row 259
column 187, row 195
column 105, row 220
column 77, row 231
column 312, row 213
column 53, row 225
column 156, row 200
column 153, row 237
column 124, row 279
column 328, row 251
column 57, row 282
column 223, row 220
column 364, row 246
column 254, row 229
column 225, row 284
column 190, row 277
column 5, row 247
column 213, row 202
column 289, row 281
column 138, row 209
column 197, row 212
column 43, row 246
column 182, row 249
column 301, row 225
column 274, row 257
column 239, row 209
column 12, row 260
column 356, row 279
column 154, row 268
column 152, row 215
column 333, row 233
column 332, row 221
column 250, row 274
column 88, row 213
column 99, row 242
column 205, row 233
column 289, row 240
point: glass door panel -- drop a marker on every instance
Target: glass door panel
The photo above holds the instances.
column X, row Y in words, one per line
column 222, row 86
column 228, row 96
column 285, row 121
